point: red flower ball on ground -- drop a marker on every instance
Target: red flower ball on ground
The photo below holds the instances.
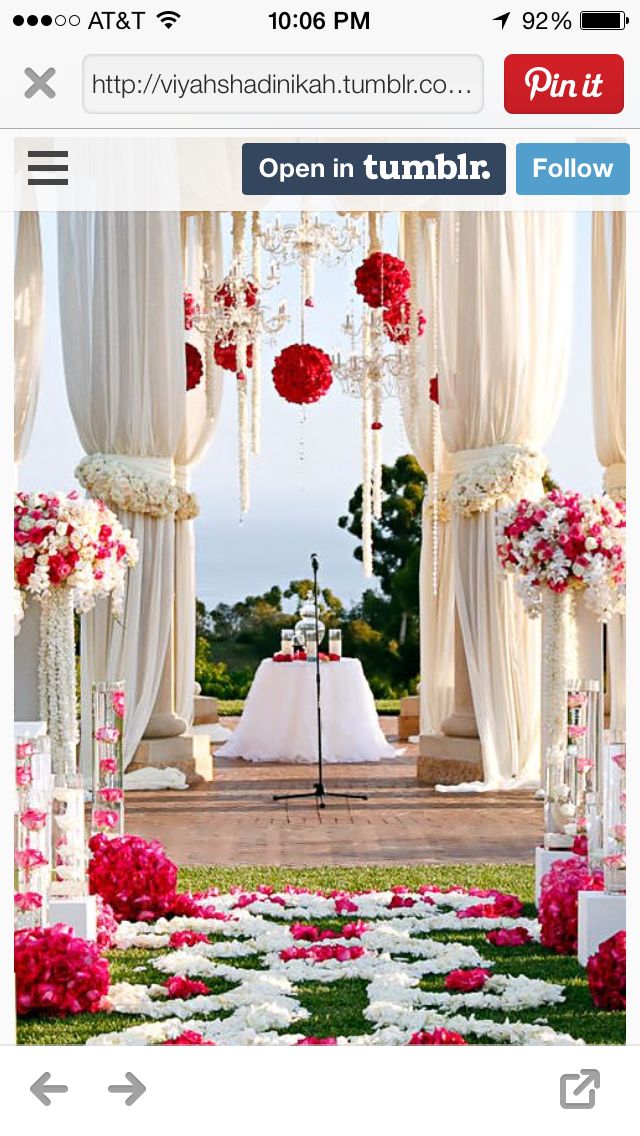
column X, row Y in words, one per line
column 437, row 1037
column 58, row 973
column 382, row 280
column 133, row 875
column 194, row 366
column 302, row 373
column 607, row 973
column 558, row 907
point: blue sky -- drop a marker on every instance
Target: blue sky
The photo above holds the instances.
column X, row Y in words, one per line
column 310, row 463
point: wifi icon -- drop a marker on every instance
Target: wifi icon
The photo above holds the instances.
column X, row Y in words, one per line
column 168, row 18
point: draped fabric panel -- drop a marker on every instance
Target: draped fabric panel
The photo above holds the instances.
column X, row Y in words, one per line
column 123, row 347
column 201, row 243
column 609, row 304
column 418, row 241
column 27, row 329
column 505, row 288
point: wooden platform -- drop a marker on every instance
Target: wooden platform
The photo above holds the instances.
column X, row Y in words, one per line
column 233, row 820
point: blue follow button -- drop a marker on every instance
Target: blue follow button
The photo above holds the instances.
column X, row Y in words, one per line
column 592, row 168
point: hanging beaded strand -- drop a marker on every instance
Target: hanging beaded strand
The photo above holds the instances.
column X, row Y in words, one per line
column 436, row 435
column 376, row 232
column 256, row 368
column 207, row 302
column 239, row 225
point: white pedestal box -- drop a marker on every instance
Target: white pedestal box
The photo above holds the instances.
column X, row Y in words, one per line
column 599, row 917
column 79, row 913
column 545, row 857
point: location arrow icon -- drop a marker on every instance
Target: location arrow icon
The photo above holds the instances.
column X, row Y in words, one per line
column 503, row 18
column 41, row 1088
column 134, row 1089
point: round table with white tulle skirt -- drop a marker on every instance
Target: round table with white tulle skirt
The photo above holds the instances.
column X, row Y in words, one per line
column 279, row 723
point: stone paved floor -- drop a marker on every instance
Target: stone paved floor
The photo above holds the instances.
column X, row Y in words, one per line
column 233, row 819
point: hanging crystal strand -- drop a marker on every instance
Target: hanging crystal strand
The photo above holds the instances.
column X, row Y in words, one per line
column 436, row 435
column 367, row 487
column 241, row 344
column 256, row 369
column 377, row 334
column 208, row 292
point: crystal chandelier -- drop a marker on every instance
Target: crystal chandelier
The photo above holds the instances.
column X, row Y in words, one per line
column 308, row 241
column 233, row 313
column 375, row 370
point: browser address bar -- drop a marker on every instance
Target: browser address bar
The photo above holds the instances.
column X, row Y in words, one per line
column 284, row 84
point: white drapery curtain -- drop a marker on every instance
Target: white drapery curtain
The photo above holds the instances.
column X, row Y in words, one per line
column 419, row 248
column 27, row 329
column 504, row 303
column 201, row 244
column 609, row 331
column 123, row 346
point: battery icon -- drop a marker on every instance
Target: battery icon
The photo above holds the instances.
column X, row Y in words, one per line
column 603, row 21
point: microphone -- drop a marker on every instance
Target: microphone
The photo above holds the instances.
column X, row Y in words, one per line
column 315, row 563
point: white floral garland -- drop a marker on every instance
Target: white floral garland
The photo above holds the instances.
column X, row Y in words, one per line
column 483, row 485
column 121, row 487
column 263, row 1004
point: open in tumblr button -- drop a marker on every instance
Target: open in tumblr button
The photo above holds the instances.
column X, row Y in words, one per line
column 569, row 169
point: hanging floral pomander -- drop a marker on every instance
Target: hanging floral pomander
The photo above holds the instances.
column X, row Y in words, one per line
column 302, row 373
column 397, row 322
column 226, row 295
column 194, row 366
column 191, row 310
column 225, row 355
column 382, row 280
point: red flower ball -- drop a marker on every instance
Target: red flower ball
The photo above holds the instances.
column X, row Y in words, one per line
column 382, row 280
column 58, row 973
column 558, row 907
column 397, row 322
column 226, row 357
column 607, row 973
column 194, row 366
column 302, row 373
column 133, row 875
column 434, row 392
column 225, row 295
column 191, row 310
column 376, row 425
column 437, row 1037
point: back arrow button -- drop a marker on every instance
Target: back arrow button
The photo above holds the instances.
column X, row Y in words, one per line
column 41, row 1088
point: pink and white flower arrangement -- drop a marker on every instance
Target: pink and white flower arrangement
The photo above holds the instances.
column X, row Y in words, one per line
column 566, row 540
column 67, row 541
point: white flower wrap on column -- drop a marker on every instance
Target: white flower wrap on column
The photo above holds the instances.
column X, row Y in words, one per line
column 485, row 476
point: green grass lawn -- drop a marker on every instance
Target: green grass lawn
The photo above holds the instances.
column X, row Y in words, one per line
column 336, row 1008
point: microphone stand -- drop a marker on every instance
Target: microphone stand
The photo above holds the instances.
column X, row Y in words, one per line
column 318, row 792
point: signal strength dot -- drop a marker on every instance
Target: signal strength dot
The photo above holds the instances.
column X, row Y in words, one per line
column 168, row 18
